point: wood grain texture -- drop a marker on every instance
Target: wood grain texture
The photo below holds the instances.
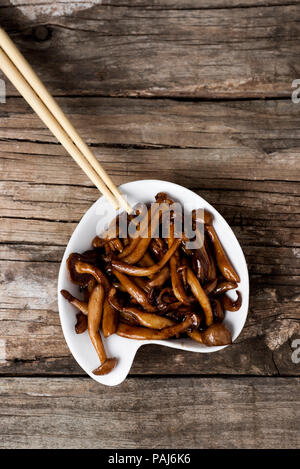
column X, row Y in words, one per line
column 167, row 123
column 247, row 168
column 214, row 59
column 217, row 49
column 78, row 413
column 153, row 5
column 33, row 342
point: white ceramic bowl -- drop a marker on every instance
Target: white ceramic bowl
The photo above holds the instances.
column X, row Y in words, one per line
column 92, row 223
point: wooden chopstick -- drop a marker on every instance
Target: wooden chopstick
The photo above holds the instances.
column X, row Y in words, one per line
column 20, row 73
column 42, row 111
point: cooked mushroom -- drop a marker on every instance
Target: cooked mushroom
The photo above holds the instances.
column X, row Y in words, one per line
column 149, row 288
column 202, row 216
column 129, row 249
column 224, row 286
column 81, row 324
column 201, row 296
column 144, row 333
column 146, row 271
column 85, row 268
column 139, row 317
column 177, row 283
column 95, row 308
column 212, row 271
column 75, row 277
column 214, row 335
column 109, row 320
column 229, row 304
column 218, row 311
column 136, row 292
column 223, row 262
column 217, row 334
column 157, row 247
column 210, row 286
column 160, row 278
column 98, row 242
column 79, row 304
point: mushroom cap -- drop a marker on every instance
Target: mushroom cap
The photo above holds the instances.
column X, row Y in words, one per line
column 202, row 216
column 81, row 279
column 106, row 367
column 217, row 334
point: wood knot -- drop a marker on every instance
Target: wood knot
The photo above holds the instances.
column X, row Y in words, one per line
column 41, row 33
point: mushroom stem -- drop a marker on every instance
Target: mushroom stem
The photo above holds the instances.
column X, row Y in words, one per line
column 146, row 271
column 133, row 315
column 223, row 262
column 95, row 308
column 214, row 335
column 85, row 268
column 200, row 295
column 144, row 333
column 135, row 291
column 231, row 305
column 177, row 284
column 109, row 319
column 79, row 304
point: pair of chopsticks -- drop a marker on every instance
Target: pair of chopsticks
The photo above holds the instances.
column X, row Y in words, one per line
column 28, row 84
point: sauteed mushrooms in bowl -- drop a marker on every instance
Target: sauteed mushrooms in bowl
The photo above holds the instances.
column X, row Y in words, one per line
column 162, row 275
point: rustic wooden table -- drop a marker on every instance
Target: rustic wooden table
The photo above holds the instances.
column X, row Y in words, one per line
column 197, row 92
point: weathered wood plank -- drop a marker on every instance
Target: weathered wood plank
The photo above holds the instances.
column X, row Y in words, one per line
column 244, row 202
column 265, row 192
column 128, row 164
column 262, row 260
column 32, row 340
column 44, row 232
column 243, row 157
column 195, row 4
column 35, row 231
column 162, row 51
column 31, row 252
column 153, row 5
column 28, row 352
column 79, row 413
column 242, row 208
column 43, row 195
column 165, row 123
column 221, row 136
column 43, row 201
column 227, row 144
